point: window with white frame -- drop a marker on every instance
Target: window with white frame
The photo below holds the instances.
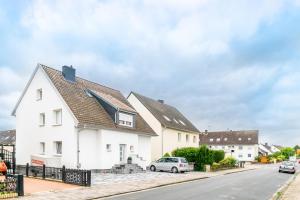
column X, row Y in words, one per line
column 125, row 119
column 240, row 147
column 240, row 139
column 39, row 94
column 108, row 147
column 249, row 148
column 42, row 119
column 57, row 117
column 249, row 139
column 218, row 139
column 240, row 155
column 211, row 139
column 42, row 148
column 58, row 147
column 179, row 137
column 187, row 138
column 131, row 148
column 194, row 139
column 249, row 155
column 225, row 139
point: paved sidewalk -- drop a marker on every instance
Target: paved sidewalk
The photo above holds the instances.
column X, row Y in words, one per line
column 129, row 183
column 293, row 190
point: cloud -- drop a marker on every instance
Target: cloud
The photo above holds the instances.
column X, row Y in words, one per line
column 223, row 64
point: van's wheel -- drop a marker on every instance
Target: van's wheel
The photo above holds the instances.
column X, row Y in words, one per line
column 174, row 170
column 152, row 168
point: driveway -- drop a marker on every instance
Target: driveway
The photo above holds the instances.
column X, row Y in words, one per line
column 257, row 184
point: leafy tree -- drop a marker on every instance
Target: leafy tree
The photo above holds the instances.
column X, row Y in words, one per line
column 287, row 152
column 296, row 147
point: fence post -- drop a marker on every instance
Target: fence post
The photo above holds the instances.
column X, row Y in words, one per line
column 20, row 185
column 89, row 172
column 63, row 174
column 27, row 169
column 14, row 159
column 44, row 171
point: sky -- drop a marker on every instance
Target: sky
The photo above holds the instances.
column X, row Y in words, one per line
column 226, row 65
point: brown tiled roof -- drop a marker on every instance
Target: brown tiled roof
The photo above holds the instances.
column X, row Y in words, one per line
column 161, row 111
column 86, row 109
column 8, row 137
column 233, row 138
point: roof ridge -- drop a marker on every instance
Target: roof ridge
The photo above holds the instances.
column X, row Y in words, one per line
column 93, row 82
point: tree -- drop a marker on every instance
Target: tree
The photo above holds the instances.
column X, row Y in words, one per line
column 296, row 147
column 288, row 152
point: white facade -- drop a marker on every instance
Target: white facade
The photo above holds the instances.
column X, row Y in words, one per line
column 58, row 137
column 240, row 152
column 168, row 139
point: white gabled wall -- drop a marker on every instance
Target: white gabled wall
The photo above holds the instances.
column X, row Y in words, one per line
column 156, row 142
column 28, row 132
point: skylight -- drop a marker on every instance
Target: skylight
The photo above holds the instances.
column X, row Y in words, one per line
column 167, row 118
column 182, row 122
column 175, row 121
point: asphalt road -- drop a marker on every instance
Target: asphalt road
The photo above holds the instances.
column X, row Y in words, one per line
column 258, row 184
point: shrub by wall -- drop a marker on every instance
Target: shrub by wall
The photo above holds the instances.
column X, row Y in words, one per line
column 189, row 153
column 218, row 155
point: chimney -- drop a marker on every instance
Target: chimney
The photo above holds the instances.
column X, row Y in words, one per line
column 161, row 101
column 69, row 73
column 266, row 144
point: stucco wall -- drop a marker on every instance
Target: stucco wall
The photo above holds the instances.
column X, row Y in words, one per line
column 246, row 149
column 28, row 132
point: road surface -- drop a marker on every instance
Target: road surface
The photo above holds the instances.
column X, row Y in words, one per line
column 258, row 184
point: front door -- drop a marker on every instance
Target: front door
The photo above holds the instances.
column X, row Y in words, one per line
column 122, row 153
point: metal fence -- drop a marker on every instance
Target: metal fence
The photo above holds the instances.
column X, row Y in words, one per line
column 71, row 176
column 12, row 186
column 8, row 156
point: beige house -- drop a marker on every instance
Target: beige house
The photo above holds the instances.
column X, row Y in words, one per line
column 174, row 130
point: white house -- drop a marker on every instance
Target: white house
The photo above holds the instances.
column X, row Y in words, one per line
column 242, row 145
column 265, row 149
column 62, row 119
column 174, row 130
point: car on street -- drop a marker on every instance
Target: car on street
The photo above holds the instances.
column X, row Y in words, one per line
column 172, row 164
column 287, row 166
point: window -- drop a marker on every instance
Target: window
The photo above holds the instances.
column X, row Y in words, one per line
column 58, row 147
column 225, row 139
column 249, row 148
column 249, row 155
column 240, row 147
column 108, row 147
column 240, row 139
column 179, row 137
column 57, row 119
column 39, row 94
column 249, row 139
column 194, row 139
column 42, row 147
column 218, row 139
column 175, row 121
column 42, row 119
column 240, row 155
column 131, row 148
column 166, row 118
column 125, row 119
column 211, row 139
column 187, row 138
column 223, row 147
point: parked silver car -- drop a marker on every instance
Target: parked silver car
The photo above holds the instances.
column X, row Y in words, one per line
column 287, row 166
column 173, row 164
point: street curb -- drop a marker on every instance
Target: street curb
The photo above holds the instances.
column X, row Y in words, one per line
column 167, row 184
column 283, row 188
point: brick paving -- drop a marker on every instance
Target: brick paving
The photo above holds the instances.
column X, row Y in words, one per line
column 111, row 184
column 293, row 190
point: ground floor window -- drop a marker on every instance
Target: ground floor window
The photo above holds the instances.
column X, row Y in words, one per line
column 58, row 147
column 249, row 155
column 42, row 147
column 108, row 147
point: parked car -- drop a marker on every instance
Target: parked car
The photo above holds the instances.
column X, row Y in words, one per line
column 173, row 164
column 287, row 166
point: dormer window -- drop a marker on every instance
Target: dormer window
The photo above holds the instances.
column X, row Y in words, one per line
column 39, row 94
column 125, row 119
column 182, row 122
column 166, row 118
column 175, row 121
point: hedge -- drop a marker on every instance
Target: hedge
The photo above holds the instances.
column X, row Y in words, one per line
column 189, row 153
column 218, row 155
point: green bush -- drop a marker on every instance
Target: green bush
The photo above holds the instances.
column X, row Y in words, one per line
column 204, row 157
column 215, row 166
column 280, row 158
column 189, row 153
column 166, row 155
column 218, row 155
column 228, row 162
column 287, row 152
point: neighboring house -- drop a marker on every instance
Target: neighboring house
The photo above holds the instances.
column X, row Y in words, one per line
column 67, row 120
column 174, row 130
column 8, row 139
column 275, row 148
column 242, row 145
column 265, row 149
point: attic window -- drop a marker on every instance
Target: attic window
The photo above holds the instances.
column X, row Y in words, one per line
column 211, row 139
column 125, row 119
column 240, row 139
column 167, row 118
column 182, row 122
column 175, row 121
column 39, row 94
column 249, row 139
column 225, row 139
column 218, row 139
